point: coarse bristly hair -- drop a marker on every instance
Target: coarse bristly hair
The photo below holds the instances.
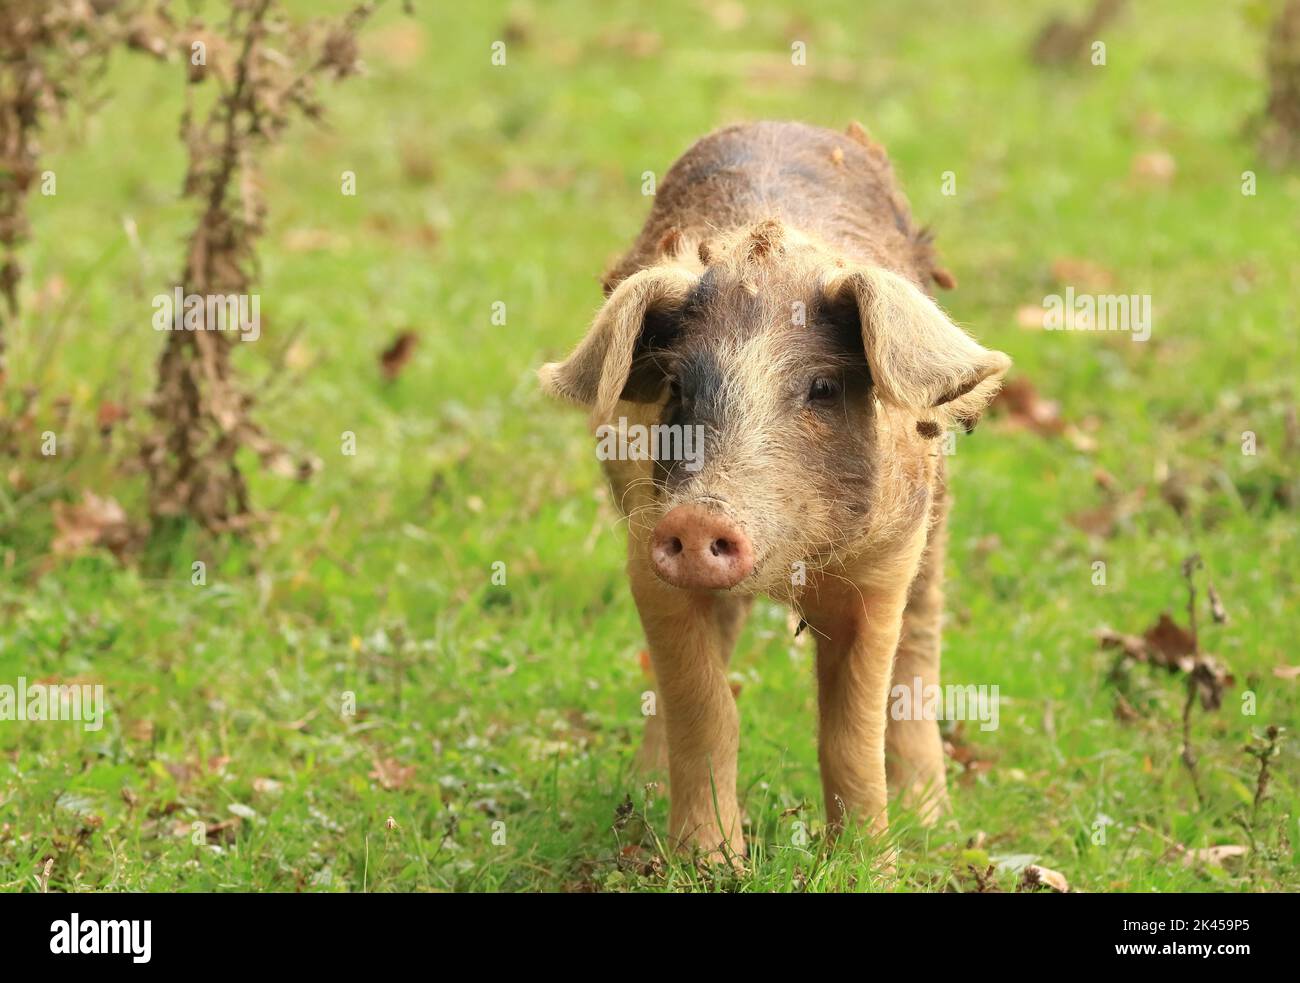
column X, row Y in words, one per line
column 775, row 300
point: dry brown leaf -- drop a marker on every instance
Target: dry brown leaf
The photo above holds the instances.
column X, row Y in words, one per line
column 966, row 755
column 729, row 15
column 312, row 240
column 633, row 42
column 1082, row 274
column 1132, row 645
column 1035, row 876
column 1101, row 521
column 1213, row 854
column 1177, row 492
column 394, row 358
column 1169, row 644
column 108, row 416
column 1031, row 316
column 223, row 831
column 391, row 773
column 1212, row 678
column 93, row 522
column 1022, row 406
column 1124, row 711
column 1104, row 520
column 1154, row 167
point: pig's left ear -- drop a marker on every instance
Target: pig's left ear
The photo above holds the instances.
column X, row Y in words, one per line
column 919, row 359
column 598, row 371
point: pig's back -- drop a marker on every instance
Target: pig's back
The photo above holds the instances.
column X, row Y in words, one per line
column 825, row 183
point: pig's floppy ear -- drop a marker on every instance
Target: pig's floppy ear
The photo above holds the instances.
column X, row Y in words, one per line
column 596, row 374
column 919, row 359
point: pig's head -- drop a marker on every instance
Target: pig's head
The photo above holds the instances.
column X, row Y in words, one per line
column 814, row 384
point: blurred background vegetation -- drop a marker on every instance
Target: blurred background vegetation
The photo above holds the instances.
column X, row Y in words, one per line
column 495, row 724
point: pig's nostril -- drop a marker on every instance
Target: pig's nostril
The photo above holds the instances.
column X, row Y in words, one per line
column 698, row 549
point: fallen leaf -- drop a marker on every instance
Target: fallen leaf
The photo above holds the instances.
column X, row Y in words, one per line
column 729, row 15
column 1177, row 492
column 313, row 240
column 1124, row 710
column 392, row 774
column 394, row 358
column 1035, row 876
column 1169, row 644
column 108, row 416
column 966, row 755
column 93, row 522
column 1213, row 854
column 1212, row 678
column 1031, row 316
column 225, row 831
column 1105, row 520
column 1101, row 521
column 1082, row 274
column 1022, row 405
column 1154, row 167
column 633, row 42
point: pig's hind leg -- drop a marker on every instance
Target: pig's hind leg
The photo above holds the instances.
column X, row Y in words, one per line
column 914, row 762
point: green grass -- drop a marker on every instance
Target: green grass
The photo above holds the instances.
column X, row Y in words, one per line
column 520, row 704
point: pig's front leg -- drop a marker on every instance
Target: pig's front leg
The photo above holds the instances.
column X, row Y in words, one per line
column 856, row 639
column 687, row 653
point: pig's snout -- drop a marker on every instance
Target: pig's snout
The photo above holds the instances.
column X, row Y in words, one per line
column 697, row 549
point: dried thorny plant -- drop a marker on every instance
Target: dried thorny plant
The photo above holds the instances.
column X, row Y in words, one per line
column 248, row 79
column 50, row 52
column 1265, row 748
column 1178, row 649
column 1061, row 42
column 1281, row 131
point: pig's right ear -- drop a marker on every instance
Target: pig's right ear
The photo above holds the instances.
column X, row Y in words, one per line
column 919, row 359
column 597, row 373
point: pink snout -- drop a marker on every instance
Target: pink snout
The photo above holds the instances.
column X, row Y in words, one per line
column 697, row 549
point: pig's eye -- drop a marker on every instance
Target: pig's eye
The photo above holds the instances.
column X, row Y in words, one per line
column 823, row 390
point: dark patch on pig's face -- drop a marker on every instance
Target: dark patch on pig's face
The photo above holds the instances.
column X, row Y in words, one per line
column 696, row 401
column 697, row 389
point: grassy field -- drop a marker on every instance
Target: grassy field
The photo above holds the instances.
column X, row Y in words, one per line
column 495, row 725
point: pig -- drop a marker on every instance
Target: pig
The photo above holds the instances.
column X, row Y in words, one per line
column 777, row 302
